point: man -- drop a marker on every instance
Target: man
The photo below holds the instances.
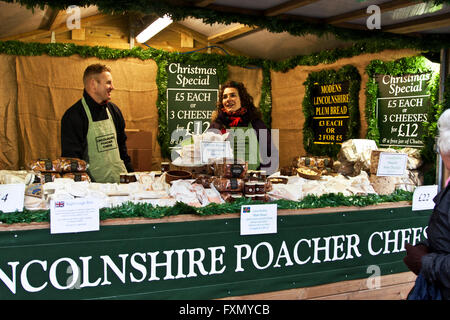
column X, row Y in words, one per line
column 93, row 129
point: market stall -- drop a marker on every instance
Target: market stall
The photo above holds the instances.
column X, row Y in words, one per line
column 354, row 127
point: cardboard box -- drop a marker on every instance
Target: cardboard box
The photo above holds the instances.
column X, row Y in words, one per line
column 139, row 144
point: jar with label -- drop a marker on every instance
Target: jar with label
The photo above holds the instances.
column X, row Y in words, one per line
column 124, row 178
column 249, row 187
column 260, row 187
column 165, row 166
column 250, row 196
column 236, row 197
column 260, row 197
column 263, row 175
column 131, row 177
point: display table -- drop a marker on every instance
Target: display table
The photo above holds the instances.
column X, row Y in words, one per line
column 316, row 253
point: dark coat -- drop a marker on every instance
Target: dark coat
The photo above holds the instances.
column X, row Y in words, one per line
column 436, row 264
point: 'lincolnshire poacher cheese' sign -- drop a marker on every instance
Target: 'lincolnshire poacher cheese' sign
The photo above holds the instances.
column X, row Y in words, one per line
column 402, row 108
column 331, row 112
column 206, row 259
column 192, row 92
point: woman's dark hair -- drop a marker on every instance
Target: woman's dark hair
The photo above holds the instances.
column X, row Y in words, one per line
column 246, row 98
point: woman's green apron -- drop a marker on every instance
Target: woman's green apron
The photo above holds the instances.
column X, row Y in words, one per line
column 105, row 165
column 246, row 146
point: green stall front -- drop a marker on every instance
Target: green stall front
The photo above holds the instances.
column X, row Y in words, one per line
column 328, row 253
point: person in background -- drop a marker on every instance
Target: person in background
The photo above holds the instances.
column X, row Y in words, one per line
column 93, row 129
column 235, row 110
column 430, row 259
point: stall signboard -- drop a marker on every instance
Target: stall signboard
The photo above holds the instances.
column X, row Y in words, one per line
column 206, row 259
column 402, row 108
column 331, row 112
column 192, row 92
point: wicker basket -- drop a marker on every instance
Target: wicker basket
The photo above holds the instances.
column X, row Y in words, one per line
column 308, row 173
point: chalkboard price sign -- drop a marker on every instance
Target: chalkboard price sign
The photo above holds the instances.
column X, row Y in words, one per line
column 192, row 93
column 402, row 107
column 331, row 114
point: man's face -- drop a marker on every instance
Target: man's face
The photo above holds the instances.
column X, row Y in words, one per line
column 102, row 86
column 231, row 100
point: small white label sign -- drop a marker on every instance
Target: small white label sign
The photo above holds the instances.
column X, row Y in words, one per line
column 258, row 219
column 12, row 197
column 74, row 215
column 215, row 149
column 392, row 164
column 423, row 197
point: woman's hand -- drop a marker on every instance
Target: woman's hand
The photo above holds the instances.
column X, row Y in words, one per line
column 414, row 254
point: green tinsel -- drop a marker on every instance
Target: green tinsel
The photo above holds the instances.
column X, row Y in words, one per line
column 146, row 210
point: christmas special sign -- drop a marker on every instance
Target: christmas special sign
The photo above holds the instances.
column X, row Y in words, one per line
column 402, row 107
column 331, row 112
column 192, row 93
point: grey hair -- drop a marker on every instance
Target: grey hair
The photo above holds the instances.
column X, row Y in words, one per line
column 444, row 132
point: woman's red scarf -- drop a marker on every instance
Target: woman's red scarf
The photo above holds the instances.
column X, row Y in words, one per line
column 235, row 117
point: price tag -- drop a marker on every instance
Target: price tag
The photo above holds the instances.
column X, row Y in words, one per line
column 423, row 197
column 258, row 219
column 215, row 149
column 74, row 215
column 392, row 164
column 12, row 197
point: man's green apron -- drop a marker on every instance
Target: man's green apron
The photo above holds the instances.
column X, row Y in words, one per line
column 246, row 146
column 105, row 165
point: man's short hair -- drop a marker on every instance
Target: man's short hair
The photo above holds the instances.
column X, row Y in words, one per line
column 93, row 69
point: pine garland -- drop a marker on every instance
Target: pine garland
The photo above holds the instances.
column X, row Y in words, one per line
column 182, row 10
column 146, row 210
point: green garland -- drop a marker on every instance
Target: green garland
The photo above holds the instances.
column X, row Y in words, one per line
column 145, row 210
column 180, row 11
column 346, row 73
column 265, row 104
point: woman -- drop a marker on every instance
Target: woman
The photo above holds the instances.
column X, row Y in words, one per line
column 431, row 258
column 237, row 114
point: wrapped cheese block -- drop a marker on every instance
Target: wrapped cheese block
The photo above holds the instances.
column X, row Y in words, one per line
column 354, row 156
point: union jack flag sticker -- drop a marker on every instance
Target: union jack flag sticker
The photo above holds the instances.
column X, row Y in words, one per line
column 59, row 204
column 245, row 209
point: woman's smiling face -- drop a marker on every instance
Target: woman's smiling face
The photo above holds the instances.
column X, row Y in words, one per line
column 231, row 100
